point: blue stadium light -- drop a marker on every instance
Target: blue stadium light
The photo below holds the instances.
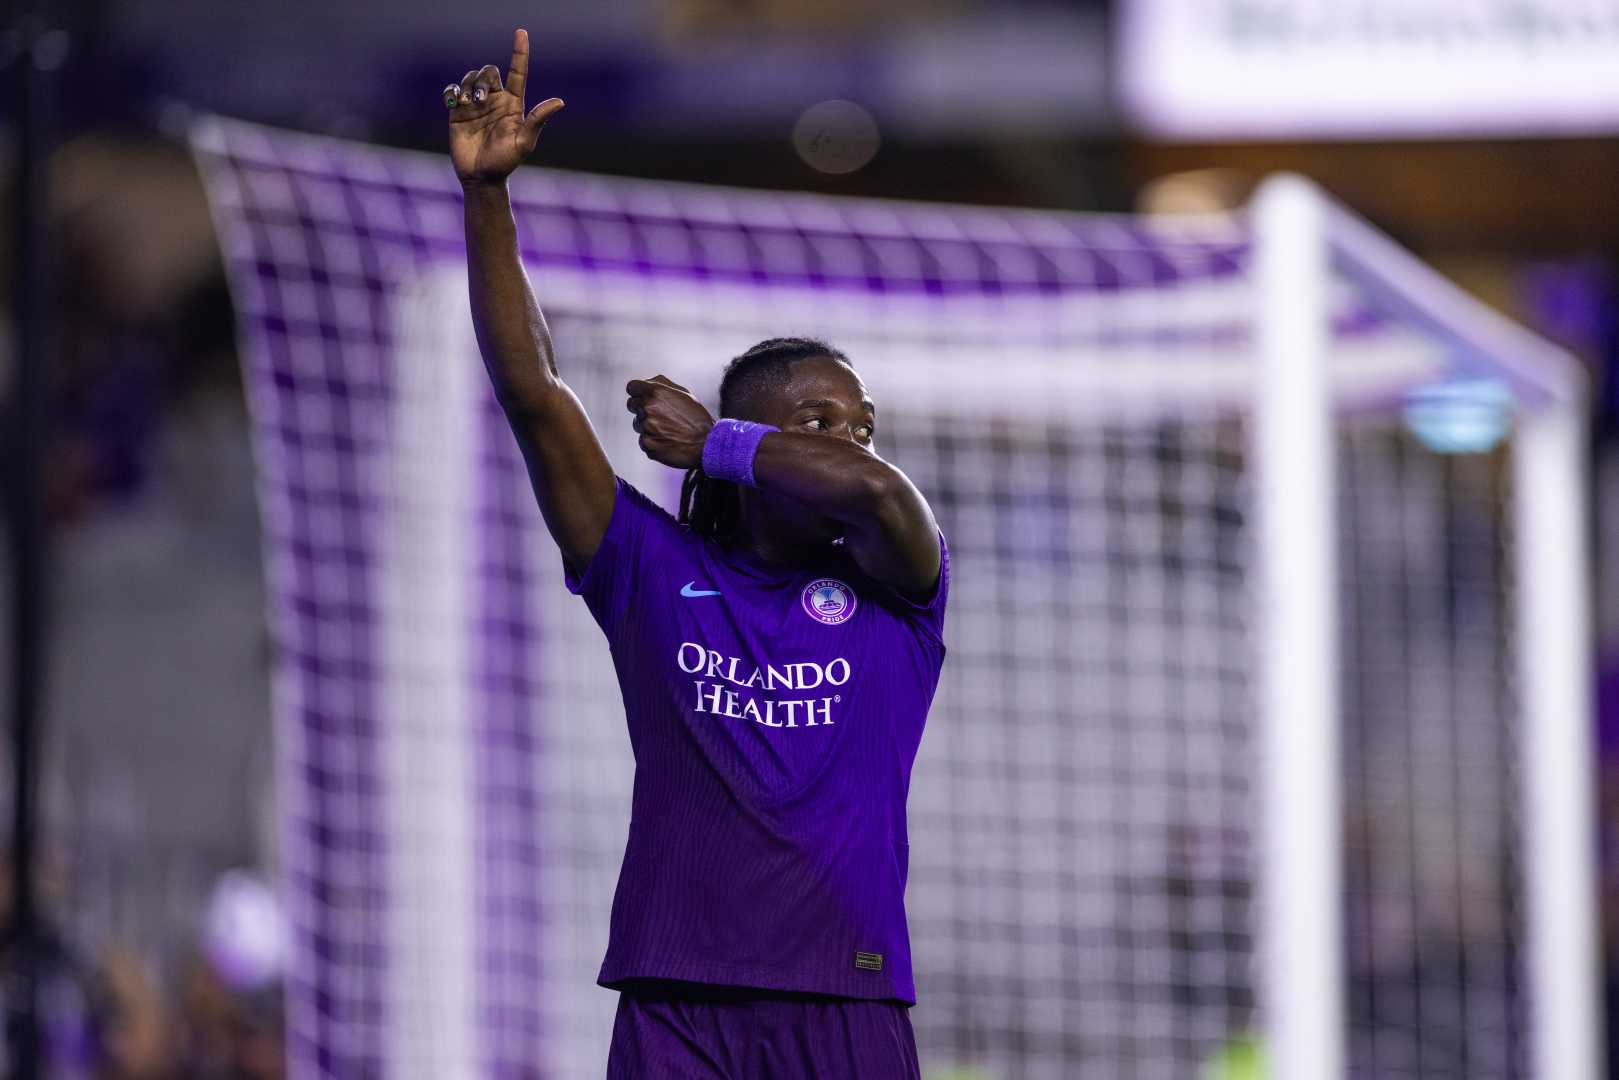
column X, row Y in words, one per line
column 1462, row 416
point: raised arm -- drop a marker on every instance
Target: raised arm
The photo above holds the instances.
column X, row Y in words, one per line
column 490, row 136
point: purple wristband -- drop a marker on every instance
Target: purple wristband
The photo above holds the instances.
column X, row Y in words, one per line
column 728, row 451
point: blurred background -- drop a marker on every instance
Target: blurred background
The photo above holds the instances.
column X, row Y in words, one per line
column 1481, row 135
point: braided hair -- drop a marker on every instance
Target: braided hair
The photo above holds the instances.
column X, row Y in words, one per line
column 713, row 508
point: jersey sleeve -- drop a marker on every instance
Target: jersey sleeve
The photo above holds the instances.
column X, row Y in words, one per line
column 926, row 614
column 639, row 533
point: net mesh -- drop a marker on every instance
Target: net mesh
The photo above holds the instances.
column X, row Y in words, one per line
column 1069, row 392
column 1433, row 888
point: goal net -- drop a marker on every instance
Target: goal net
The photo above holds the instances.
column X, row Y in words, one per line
column 1231, row 759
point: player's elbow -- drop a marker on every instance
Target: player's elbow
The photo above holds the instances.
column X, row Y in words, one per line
column 891, row 502
column 878, row 486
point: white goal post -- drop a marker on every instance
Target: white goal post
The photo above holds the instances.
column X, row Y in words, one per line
column 1300, row 235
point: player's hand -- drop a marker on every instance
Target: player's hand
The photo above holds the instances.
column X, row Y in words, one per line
column 672, row 424
column 490, row 135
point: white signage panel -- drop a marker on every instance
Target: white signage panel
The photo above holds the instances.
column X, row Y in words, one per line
column 1369, row 68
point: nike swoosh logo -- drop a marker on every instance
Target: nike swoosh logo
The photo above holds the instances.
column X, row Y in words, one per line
column 687, row 590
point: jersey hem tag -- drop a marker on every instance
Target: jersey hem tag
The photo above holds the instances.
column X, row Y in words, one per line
column 868, row 961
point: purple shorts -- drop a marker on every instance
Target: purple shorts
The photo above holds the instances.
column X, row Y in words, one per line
column 735, row 1035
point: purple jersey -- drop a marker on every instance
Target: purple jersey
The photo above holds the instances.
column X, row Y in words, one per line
column 774, row 714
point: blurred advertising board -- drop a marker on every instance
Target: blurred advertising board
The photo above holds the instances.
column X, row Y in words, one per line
column 1235, row 69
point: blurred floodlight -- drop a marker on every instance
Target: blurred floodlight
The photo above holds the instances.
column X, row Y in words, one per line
column 836, row 136
column 1464, row 416
column 1195, row 192
column 1287, row 68
column 242, row 932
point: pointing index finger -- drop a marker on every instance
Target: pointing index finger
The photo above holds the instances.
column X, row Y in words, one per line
column 517, row 77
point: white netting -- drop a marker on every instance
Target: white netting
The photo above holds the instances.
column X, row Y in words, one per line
column 1070, row 393
column 1433, row 897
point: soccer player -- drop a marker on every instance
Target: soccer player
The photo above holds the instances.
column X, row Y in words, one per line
column 777, row 647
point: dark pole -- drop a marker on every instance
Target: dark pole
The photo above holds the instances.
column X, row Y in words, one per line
column 38, row 54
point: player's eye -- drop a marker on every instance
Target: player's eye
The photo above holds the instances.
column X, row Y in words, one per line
column 816, row 422
column 865, row 433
